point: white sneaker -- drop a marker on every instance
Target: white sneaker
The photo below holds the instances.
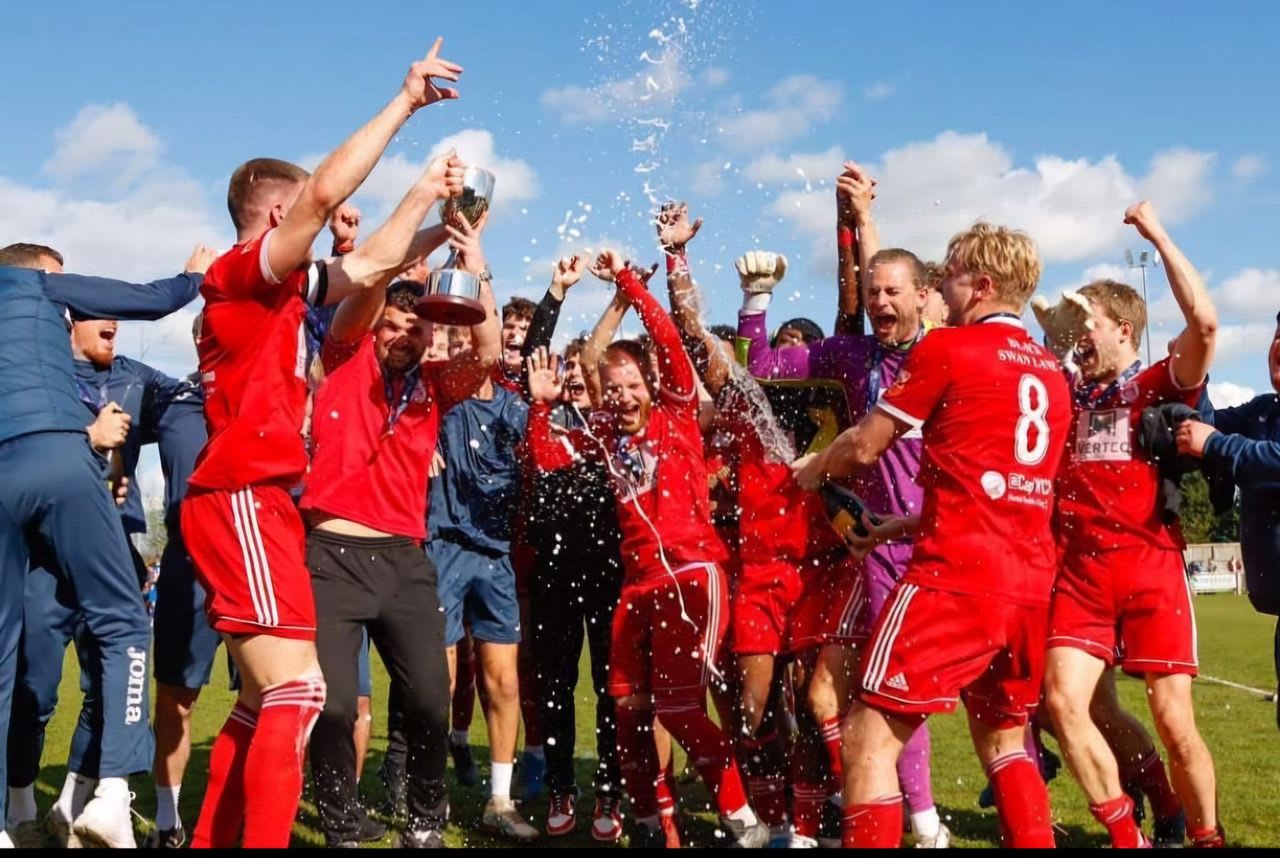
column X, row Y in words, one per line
column 5, row 842
column 799, row 841
column 105, row 823
column 58, row 823
column 941, row 841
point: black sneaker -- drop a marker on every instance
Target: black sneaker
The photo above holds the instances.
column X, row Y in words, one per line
column 428, row 839
column 1170, row 833
column 830, row 826
column 170, row 838
column 464, row 765
column 1139, row 805
column 369, row 829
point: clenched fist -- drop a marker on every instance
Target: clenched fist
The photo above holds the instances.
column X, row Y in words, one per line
column 1065, row 322
column 760, row 271
column 1142, row 216
column 345, row 227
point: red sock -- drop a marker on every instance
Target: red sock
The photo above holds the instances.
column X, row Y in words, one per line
column 831, row 738
column 1208, row 838
column 708, row 749
column 874, row 825
column 1154, row 781
column 806, row 808
column 665, row 791
column 1022, row 801
column 1117, row 815
column 764, row 762
column 222, row 812
column 638, row 760
column 273, row 769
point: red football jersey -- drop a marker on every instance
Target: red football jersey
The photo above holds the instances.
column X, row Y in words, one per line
column 372, row 453
column 659, row 478
column 253, row 364
column 1107, row 493
column 995, row 411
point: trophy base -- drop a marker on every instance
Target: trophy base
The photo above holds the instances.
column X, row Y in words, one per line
column 450, row 310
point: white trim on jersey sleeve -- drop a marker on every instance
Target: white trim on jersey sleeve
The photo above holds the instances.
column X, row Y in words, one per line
column 263, row 265
column 317, row 286
column 1177, row 385
column 899, row 414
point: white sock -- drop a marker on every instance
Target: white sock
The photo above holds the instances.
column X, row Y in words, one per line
column 926, row 823
column 535, row 751
column 756, row 302
column 167, row 807
column 71, row 787
column 500, row 780
column 460, row 737
column 745, row 815
column 22, row 806
column 113, row 789
column 5, row 842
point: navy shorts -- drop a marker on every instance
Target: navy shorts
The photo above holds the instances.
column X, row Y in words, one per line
column 476, row 590
column 185, row 645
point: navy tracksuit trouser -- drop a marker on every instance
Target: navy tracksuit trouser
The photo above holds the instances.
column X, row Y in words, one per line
column 54, row 491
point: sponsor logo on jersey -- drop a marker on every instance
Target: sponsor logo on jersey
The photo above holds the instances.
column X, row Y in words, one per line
column 1103, row 436
column 994, row 485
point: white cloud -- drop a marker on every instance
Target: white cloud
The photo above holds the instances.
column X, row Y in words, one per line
column 878, row 91
column 655, row 87
column 103, row 138
column 515, row 180
column 1227, row 394
column 1246, row 168
column 1252, row 292
column 715, row 76
column 1248, row 341
column 1073, row 208
column 709, row 178
column 795, row 104
column 802, row 167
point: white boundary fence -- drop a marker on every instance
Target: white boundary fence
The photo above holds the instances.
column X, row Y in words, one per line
column 1215, row 568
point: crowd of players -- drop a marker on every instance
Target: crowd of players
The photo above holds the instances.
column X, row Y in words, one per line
column 341, row 473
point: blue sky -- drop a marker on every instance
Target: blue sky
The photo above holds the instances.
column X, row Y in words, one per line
column 124, row 122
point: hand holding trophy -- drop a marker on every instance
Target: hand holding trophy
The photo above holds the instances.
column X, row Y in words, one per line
column 453, row 294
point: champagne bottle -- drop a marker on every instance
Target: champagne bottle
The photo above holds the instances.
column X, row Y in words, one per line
column 845, row 510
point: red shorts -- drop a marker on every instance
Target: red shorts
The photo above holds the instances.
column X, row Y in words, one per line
column 930, row 648
column 658, row 648
column 1130, row 607
column 248, row 548
column 763, row 599
column 831, row 605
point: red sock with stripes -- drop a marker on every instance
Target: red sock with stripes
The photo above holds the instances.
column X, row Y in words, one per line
column 831, row 738
column 1022, row 801
column 222, row 811
column 708, row 749
column 876, row 824
column 806, row 808
column 1117, row 815
column 1150, row 775
column 665, row 790
column 764, row 762
column 273, row 769
column 638, row 760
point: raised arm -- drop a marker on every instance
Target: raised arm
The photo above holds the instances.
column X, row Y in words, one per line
column 102, row 298
column 593, row 349
column 857, row 240
column 708, row 354
column 1194, row 351
column 675, row 371
column 759, row 271
column 359, row 279
column 349, row 165
column 466, row 372
column 545, row 447
column 542, row 327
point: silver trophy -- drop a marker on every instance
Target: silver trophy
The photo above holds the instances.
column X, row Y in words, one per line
column 453, row 295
